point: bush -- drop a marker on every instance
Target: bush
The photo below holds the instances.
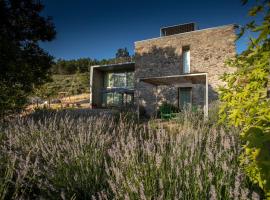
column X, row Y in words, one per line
column 66, row 157
column 168, row 107
column 245, row 97
column 193, row 164
column 56, row 157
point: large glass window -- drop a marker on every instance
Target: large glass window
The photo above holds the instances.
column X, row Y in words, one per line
column 116, row 99
column 124, row 80
column 118, row 80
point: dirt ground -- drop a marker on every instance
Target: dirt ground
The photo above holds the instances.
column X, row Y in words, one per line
column 76, row 101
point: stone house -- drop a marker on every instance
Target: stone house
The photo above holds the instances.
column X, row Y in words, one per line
column 181, row 67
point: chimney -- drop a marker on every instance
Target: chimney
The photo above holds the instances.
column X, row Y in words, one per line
column 182, row 28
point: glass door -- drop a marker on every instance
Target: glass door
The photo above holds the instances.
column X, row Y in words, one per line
column 185, row 97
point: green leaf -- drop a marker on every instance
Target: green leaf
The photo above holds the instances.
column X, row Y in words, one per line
column 255, row 10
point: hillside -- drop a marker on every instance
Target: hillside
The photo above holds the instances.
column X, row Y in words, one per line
column 63, row 91
column 73, row 84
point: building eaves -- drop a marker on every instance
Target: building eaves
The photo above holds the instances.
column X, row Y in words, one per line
column 216, row 27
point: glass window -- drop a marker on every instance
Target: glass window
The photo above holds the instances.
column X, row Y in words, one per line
column 119, row 80
column 109, row 99
column 186, row 60
column 112, row 99
column 130, row 79
column 129, row 99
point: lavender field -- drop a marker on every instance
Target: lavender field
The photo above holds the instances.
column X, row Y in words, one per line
column 66, row 157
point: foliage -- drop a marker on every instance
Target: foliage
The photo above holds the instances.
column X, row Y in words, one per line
column 245, row 101
column 167, row 107
column 213, row 112
column 192, row 163
column 72, row 84
column 56, row 158
column 23, row 63
column 72, row 66
column 122, row 53
column 64, row 155
column 82, row 65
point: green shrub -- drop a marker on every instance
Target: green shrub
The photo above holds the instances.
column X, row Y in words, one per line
column 167, row 106
column 245, row 103
column 60, row 155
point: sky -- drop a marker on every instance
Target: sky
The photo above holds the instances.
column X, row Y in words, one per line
column 97, row 28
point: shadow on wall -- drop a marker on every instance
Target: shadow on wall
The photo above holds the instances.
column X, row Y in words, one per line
column 154, row 62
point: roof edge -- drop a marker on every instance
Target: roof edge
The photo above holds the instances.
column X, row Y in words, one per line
column 216, row 27
column 171, row 26
column 116, row 64
column 175, row 76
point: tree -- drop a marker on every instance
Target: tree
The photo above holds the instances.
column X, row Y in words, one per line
column 245, row 103
column 45, row 92
column 122, row 53
column 24, row 65
column 73, row 66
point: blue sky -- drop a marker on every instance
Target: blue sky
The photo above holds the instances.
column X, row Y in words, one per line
column 97, row 28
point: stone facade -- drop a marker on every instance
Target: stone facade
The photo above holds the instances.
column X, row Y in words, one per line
column 209, row 49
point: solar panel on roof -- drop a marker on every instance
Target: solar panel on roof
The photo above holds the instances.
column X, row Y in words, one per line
column 182, row 28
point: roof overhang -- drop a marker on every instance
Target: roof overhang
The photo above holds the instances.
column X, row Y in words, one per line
column 128, row 66
column 118, row 90
column 194, row 78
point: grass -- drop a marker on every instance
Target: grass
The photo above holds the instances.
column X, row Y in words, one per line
column 54, row 156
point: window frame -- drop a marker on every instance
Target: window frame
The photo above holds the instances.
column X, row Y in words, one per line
column 186, row 49
column 191, row 95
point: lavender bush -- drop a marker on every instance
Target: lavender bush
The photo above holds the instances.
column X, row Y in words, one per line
column 196, row 163
column 57, row 157
column 62, row 157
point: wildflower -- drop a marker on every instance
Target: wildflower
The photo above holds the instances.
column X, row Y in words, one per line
column 224, row 166
column 160, row 184
column 213, row 194
column 200, row 185
column 210, row 176
column 198, row 170
column 142, row 195
column 237, row 185
column 255, row 196
column 210, row 156
column 158, row 160
column 244, row 193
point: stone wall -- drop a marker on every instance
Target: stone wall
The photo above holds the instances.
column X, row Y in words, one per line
column 209, row 48
column 97, row 85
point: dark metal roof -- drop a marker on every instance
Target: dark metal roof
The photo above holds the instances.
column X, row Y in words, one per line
column 176, row 29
